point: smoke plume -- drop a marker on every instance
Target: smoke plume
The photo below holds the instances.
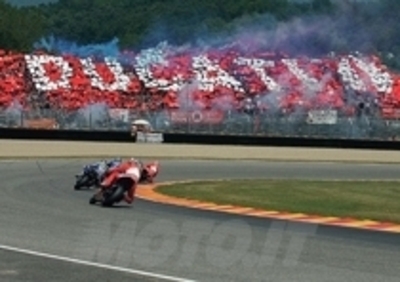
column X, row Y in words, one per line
column 370, row 27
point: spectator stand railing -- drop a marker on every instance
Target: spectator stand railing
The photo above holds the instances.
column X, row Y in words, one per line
column 299, row 125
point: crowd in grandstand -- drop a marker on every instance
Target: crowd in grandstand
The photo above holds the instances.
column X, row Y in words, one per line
column 223, row 79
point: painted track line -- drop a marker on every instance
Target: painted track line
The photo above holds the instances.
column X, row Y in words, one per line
column 94, row 264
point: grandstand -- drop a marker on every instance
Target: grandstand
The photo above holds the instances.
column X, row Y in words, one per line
column 207, row 84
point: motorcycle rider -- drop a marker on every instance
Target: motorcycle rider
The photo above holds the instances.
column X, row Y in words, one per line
column 109, row 176
column 101, row 167
column 114, row 163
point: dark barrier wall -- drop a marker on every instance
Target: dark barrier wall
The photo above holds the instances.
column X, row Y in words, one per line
column 180, row 138
column 280, row 141
column 67, row 135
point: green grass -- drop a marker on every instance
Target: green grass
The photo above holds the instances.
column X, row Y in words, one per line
column 375, row 200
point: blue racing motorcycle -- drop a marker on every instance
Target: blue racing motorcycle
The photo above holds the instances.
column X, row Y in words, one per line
column 87, row 178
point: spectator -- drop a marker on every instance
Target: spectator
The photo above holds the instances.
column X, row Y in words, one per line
column 154, row 80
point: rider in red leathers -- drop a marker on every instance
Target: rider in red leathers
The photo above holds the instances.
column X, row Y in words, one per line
column 113, row 172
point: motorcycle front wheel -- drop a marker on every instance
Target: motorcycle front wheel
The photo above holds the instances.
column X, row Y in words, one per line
column 116, row 196
column 81, row 182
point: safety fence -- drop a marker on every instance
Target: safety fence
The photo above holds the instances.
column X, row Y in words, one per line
column 318, row 125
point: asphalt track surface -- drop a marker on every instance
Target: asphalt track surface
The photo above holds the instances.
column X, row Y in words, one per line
column 40, row 213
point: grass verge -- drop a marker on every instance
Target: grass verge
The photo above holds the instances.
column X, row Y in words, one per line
column 374, row 200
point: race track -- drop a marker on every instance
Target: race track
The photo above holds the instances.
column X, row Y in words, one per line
column 42, row 214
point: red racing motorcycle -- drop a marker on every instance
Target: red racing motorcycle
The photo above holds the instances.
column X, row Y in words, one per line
column 149, row 172
column 121, row 182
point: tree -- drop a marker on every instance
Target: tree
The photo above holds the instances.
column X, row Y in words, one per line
column 19, row 27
